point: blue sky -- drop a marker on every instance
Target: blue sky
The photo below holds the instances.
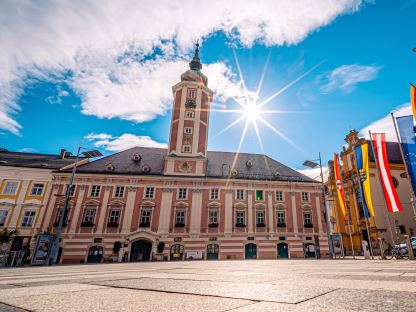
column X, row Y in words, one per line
column 107, row 82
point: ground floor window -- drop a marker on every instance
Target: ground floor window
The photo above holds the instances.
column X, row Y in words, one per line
column 176, row 252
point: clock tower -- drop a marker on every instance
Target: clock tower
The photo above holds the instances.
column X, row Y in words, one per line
column 188, row 140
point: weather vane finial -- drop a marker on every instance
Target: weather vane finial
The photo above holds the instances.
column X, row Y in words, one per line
column 195, row 64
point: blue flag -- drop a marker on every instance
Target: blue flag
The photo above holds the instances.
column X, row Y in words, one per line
column 408, row 138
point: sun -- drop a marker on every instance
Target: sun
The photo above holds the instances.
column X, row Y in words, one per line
column 251, row 112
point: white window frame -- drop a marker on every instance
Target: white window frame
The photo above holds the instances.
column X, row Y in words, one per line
column 188, row 130
column 95, row 190
column 149, row 192
column 88, row 215
column 280, row 218
column 117, row 191
column 310, row 219
column 72, row 190
column 213, row 216
column 260, row 217
column 182, row 216
column 191, row 94
column 4, row 213
column 190, row 114
column 240, row 192
column 146, row 214
column 181, row 192
column 305, row 197
column 214, row 194
column 10, row 190
column 28, row 219
column 186, row 149
column 114, row 215
column 279, row 196
column 237, row 217
column 36, row 187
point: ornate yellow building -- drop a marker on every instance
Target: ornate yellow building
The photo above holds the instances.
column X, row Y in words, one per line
column 390, row 226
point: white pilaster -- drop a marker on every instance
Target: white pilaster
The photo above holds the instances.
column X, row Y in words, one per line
column 78, row 208
column 128, row 211
column 196, row 209
column 103, row 210
column 250, row 211
column 318, row 213
column 165, row 210
column 228, row 217
column 294, row 214
column 270, row 211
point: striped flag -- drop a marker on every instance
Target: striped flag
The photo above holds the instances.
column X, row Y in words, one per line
column 392, row 199
column 413, row 99
column 363, row 169
column 340, row 189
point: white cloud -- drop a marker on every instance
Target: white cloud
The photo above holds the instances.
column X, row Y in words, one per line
column 27, row 150
column 315, row 173
column 105, row 46
column 123, row 142
column 346, row 77
column 385, row 124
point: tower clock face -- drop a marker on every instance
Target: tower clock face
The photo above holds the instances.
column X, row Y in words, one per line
column 190, row 103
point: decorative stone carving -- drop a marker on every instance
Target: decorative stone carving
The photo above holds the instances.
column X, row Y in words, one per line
column 107, row 187
column 132, row 188
column 167, row 189
column 82, row 187
column 185, row 167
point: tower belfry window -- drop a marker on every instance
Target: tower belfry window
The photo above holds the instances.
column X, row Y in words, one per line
column 191, row 93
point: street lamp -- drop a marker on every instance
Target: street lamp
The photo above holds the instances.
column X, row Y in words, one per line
column 55, row 246
column 312, row 164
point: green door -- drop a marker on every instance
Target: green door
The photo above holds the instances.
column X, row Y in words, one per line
column 212, row 252
column 282, row 251
column 251, row 251
column 95, row 254
column 309, row 250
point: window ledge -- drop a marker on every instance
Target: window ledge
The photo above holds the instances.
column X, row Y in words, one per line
column 87, row 224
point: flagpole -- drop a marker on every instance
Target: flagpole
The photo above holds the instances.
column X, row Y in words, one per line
column 340, row 232
column 381, row 185
column 363, row 201
column 412, row 194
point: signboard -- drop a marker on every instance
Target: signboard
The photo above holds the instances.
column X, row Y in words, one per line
column 336, row 243
column 250, row 238
column 213, row 239
column 194, row 255
column 41, row 253
column 177, row 239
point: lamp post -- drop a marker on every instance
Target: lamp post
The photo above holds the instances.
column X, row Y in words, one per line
column 312, row 164
column 55, row 246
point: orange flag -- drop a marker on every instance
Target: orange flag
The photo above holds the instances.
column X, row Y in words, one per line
column 413, row 99
column 340, row 189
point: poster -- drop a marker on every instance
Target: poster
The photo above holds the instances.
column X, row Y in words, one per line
column 336, row 243
column 194, row 255
column 41, row 253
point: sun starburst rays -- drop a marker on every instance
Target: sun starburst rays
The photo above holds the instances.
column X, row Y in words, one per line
column 252, row 112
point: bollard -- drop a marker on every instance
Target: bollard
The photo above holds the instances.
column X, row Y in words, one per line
column 381, row 248
column 409, row 247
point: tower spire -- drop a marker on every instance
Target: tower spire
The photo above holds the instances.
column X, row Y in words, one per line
column 195, row 64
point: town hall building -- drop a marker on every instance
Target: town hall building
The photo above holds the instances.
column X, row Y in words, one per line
column 186, row 202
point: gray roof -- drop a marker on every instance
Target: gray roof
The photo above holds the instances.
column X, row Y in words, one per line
column 218, row 165
column 33, row 160
column 393, row 152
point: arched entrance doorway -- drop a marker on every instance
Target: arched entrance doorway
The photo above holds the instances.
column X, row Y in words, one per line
column 282, row 251
column 141, row 250
column 176, row 252
column 212, row 252
column 251, row 251
column 309, row 250
column 95, row 254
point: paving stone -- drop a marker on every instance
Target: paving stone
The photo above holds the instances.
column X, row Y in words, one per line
column 126, row 300
column 252, row 291
column 7, row 308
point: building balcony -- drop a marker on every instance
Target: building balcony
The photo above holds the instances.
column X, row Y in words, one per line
column 260, row 225
column 240, row 225
column 87, row 224
column 281, row 225
column 144, row 224
column 179, row 225
column 112, row 224
column 308, row 226
column 213, row 225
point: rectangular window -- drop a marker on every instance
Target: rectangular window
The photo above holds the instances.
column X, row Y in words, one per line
column 180, row 217
column 260, row 218
column 214, row 194
column 59, row 214
column 28, row 218
column 281, row 218
column 240, row 218
column 150, row 192
column 37, row 189
column 182, row 193
column 71, row 190
column 3, row 217
column 240, row 194
column 279, row 195
column 89, row 215
column 188, row 130
column 189, row 114
column 307, row 219
column 213, row 216
column 305, row 196
column 95, row 191
column 119, row 192
column 259, row 195
column 192, row 93
column 145, row 217
column 114, row 216
column 186, row 148
column 10, row 188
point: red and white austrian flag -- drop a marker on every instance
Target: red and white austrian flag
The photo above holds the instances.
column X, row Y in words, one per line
column 392, row 199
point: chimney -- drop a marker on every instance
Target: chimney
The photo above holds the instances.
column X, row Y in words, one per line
column 62, row 153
